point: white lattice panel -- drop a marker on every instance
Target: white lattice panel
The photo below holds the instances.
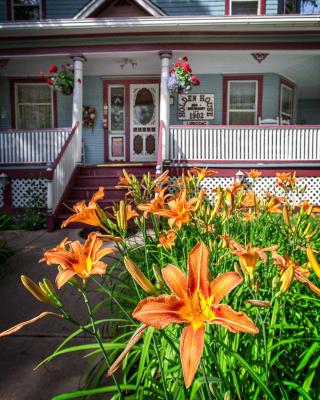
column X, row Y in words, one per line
column 260, row 186
column 29, row 193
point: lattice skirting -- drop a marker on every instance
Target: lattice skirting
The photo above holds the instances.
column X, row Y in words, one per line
column 29, row 193
column 310, row 183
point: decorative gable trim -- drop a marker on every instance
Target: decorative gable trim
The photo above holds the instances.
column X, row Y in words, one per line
column 94, row 5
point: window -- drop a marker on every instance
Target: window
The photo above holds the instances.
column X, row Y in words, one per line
column 242, row 102
column 286, row 103
column 245, row 7
column 289, row 6
column 33, row 106
column 26, row 10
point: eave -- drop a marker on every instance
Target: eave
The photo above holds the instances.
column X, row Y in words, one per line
column 92, row 26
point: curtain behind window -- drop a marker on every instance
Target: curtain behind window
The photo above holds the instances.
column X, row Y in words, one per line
column 34, row 106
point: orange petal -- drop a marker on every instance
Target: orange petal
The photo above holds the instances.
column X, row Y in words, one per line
column 99, row 195
column 234, row 321
column 191, row 349
column 286, row 279
column 176, row 280
column 159, row 311
column 63, row 276
column 223, row 285
column 17, row 328
column 134, row 340
column 198, row 269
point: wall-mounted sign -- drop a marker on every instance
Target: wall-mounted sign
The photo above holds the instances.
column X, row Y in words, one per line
column 196, row 122
column 196, row 107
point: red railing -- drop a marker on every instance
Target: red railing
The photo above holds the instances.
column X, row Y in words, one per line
column 159, row 155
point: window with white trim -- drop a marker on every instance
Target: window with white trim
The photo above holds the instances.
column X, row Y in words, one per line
column 242, row 102
column 286, row 103
column 244, row 7
column 26, row 10
column 33, row 106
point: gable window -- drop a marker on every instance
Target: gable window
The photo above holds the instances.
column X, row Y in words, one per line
column 286, row 103
column 33, row 106
column 245, row 7
column 26, row 10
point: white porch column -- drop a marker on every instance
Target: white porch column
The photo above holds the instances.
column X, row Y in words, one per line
column 165, row 57
column 78, row 99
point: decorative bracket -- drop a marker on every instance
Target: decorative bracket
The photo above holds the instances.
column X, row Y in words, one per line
column 259, row 56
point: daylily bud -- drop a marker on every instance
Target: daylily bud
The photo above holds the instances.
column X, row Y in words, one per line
column 121, row 216
column 217, row 205
column 259, row 303
column 237, row 269
column 285, row 215
column 305, row 232
column 313, row 261
column 158, row 276
column 34, row 289
column 140, row 277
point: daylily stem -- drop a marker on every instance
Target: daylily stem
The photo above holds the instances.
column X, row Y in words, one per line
column 206, row 380
column 96, row 334
column 161, row 369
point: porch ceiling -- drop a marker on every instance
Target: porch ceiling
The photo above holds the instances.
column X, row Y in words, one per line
column 301, row 67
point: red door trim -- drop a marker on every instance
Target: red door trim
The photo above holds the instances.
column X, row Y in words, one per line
column 126, row 83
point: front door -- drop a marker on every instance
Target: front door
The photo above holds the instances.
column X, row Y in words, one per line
column 131, row 120
column 144, row 121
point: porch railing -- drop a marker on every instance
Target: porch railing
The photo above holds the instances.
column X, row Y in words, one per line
column 63, row 168
column 32, row 146
column 254, row 143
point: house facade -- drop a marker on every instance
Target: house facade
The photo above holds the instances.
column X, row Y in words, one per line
column 257, row 105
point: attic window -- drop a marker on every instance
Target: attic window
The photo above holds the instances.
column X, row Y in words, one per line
column 26, row 10
column 245, row 7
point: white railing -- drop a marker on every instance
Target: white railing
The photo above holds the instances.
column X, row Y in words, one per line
column 63, row 168
column 32, row 146
column 254, row 143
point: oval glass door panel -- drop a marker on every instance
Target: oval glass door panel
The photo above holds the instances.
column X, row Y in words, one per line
column 144, row 121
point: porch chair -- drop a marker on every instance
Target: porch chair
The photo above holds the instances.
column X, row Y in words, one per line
column 268, row 121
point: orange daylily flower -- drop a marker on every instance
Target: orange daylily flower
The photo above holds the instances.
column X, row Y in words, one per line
column 290, row 271
column 87, row 214
column 179, row 210
column 155, row 205
column 82, row 260
column 254, row 174
column 167, row 239
column 194, row 302
column 309, row 208
column 249, row 199
column 162, row 179
column 124, row 181
column 249, row 256
column 285, row 178
column 202, row 173
column 274, row 204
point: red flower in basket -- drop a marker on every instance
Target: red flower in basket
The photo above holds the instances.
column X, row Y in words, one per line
column 185, row 58
column 53, row 69
column 49, row 81
column 177, row 64
column 186, row 67
column 195, row 80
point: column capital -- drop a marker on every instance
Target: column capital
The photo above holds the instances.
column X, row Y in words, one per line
column 165, row 54
column 78, row 57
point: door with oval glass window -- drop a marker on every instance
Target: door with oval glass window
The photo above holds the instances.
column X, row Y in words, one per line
column 144, row 122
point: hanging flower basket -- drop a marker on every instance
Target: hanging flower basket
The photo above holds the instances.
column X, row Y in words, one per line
column 62, row 80
column 181, row 79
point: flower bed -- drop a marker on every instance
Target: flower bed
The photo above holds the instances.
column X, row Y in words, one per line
column 217, row 299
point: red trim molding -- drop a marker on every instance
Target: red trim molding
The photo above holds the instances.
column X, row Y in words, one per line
column 227, row 7
column 13, row 82
column 43, row 10
column 227, row 78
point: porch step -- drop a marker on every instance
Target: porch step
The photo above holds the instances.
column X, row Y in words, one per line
column 87, row 181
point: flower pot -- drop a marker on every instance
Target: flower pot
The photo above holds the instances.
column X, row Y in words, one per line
column 67, row 91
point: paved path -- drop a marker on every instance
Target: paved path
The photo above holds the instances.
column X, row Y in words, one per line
column 20, row 353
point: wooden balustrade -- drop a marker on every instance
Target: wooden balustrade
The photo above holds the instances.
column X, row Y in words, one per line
column 254, row 143
column 32, row 146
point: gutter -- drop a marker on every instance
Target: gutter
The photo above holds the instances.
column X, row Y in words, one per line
column 162, row 24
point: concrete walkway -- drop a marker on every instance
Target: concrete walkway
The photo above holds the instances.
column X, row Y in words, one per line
column 21, row 352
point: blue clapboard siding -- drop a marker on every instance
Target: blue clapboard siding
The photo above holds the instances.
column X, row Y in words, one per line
column 191, row 7
column 308, row 112
column 63, row 8
column 270, row 98
column 3, row 10
column 93, row 138
column 271, row 7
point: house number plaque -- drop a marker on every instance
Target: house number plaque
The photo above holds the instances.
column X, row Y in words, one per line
column 196, row 107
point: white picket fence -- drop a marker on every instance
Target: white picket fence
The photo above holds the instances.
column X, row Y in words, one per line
column 32, row 146
column 244, row 143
